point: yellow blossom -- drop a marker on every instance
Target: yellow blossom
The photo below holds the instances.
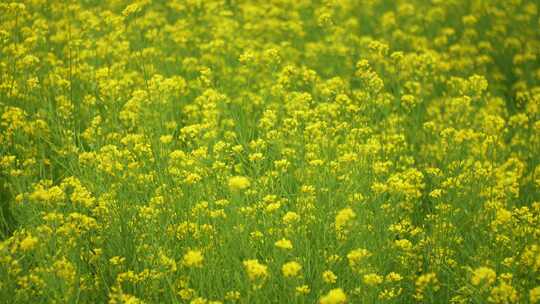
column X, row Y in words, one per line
column 484, row 275
column 302, row 289
column 329, row 277
column 372, row 279
column 534, row 295
column 255, row 270
column 193, row 258
column 238, row 183
column 291, row 269
column 284, row 244
column 28, row 243
column 334, row 296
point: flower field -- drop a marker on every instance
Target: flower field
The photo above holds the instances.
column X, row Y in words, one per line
column 270, row 151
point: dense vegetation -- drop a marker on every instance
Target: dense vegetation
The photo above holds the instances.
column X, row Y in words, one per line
column 285, row 151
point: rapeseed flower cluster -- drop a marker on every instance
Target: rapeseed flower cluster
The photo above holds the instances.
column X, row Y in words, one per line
column 279, row 151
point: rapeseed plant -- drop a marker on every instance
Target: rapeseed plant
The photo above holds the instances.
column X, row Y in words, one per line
column 270, row 151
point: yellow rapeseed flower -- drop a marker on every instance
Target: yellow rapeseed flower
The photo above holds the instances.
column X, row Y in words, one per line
column 284, row 244
column 193, row 258
column 302, row 289
column 485, row 275
column 343, row 218
column 334, row 296
column 255, row 270
column 329, row 277
column 239, row 183
column 372, row 279
column 291, row 269
column 28, row 243
column 534, row 295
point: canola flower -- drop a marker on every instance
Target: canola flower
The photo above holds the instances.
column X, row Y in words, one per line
column 284, row 244
column 344, row 217
column 484, row 275
column 238, row 183
column 291, row 269
column 372, row 279
column 255, row 270
column 334, row 296
column 193, row 258
column 329, row 277
column 28, row 243
column 302, row 290
column 534, row 295
column 270, row 151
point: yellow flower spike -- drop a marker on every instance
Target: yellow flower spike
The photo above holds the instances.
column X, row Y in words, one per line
column 356, row 257
column 343, row 219
column 166, row 139
column 334, row 296
column 284, row 244
column 302, row 290
column 534, row 295
column 503, row 293
column 291, row 269
column 329, row 277
column 238, row 183
column 255, row 270
column 483, row 275
column 193, row 258
column 28, row 243
column 424, row 282
column 372, row 279
column 232, row 296
column 290, row 217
